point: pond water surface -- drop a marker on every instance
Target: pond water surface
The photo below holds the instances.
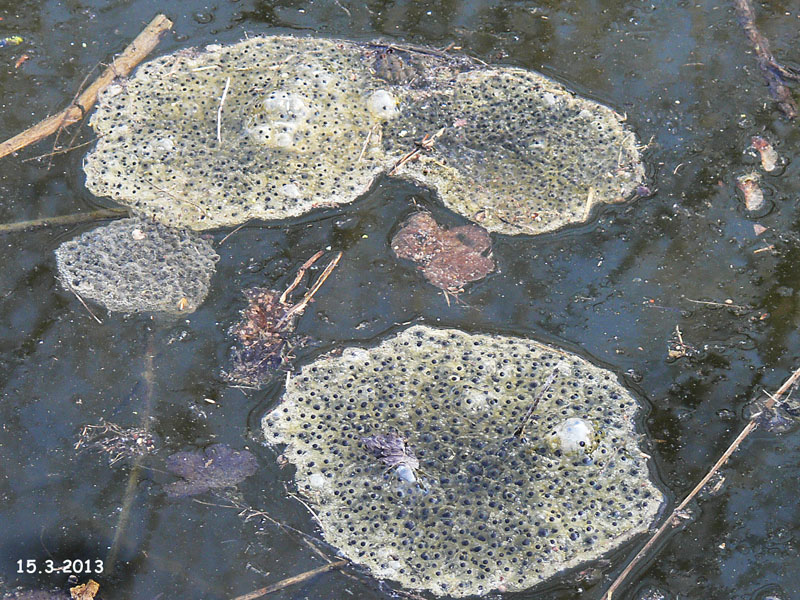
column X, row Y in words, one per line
column 614, row 290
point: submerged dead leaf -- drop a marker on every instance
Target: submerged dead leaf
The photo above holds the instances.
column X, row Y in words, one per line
column 263, row 335
column 85, row 591
column 449, row 259
column 215, row 467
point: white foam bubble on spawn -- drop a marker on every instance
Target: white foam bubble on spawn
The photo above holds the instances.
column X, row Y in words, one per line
column 573, row 436
column 382, row 105
column 316, row 480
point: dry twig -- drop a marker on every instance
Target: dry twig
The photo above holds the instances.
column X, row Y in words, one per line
column 144, row 43
column 775, row 73
column 426, row 144
column 671, row 520
column 95, row 215
column 293, row 580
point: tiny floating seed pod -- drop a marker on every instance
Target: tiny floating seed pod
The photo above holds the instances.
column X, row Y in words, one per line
column 753, row 196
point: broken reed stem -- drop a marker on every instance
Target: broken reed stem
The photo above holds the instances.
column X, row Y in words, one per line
column 426, row 144
column 95, row 215
column 144, row 43
column 671, row 519
column 300, row 306
column 133, row 479
column 773, row 72
column 293, row 580
column 300, row 272
column 366, row 141
column 86, row 306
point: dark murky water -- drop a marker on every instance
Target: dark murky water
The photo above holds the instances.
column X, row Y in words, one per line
column 614, row 290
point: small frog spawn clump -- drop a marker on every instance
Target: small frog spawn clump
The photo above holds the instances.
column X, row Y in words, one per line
column 135, row 265
column 428, row 459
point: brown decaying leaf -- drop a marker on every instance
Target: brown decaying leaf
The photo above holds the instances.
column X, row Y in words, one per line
column 449, row 259
column 85, row 591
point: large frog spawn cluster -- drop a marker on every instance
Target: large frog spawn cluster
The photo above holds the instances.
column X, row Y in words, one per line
column 272, row 127
column 499, row 500
column 134, row 265
column 519, row 154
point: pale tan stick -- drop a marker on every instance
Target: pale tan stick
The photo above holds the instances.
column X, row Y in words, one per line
column 144, row 43
column 94, row 215
column 294, row 580
column 300, row 272
column 223, row 240
column 751, row 425
column 300, row 306
column 86, row 306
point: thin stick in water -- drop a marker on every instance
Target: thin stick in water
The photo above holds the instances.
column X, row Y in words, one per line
column 294, row 580
column 300, row 306
column 86, row 306
column 84, row 217
column 671, row 519
column 144, row 43
column 774, row 73
column 148, row 375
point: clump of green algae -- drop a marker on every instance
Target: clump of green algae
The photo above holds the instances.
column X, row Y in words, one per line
column 493, row 505
column 273, row 127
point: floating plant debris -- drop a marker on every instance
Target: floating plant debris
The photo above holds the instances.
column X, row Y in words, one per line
column 217, row 466
column 497, row 511
column 85, row 591
column 393, row 450
column 230, row 133
column 266, row 331
column 134, row 265
column 115, row 441
column 449, row 259
column 769, row 157
column 36, row 595
column 749, row 186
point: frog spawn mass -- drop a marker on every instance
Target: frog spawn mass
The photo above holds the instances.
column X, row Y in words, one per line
column 134, row 265
column 272, row 127
column 486, row 509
